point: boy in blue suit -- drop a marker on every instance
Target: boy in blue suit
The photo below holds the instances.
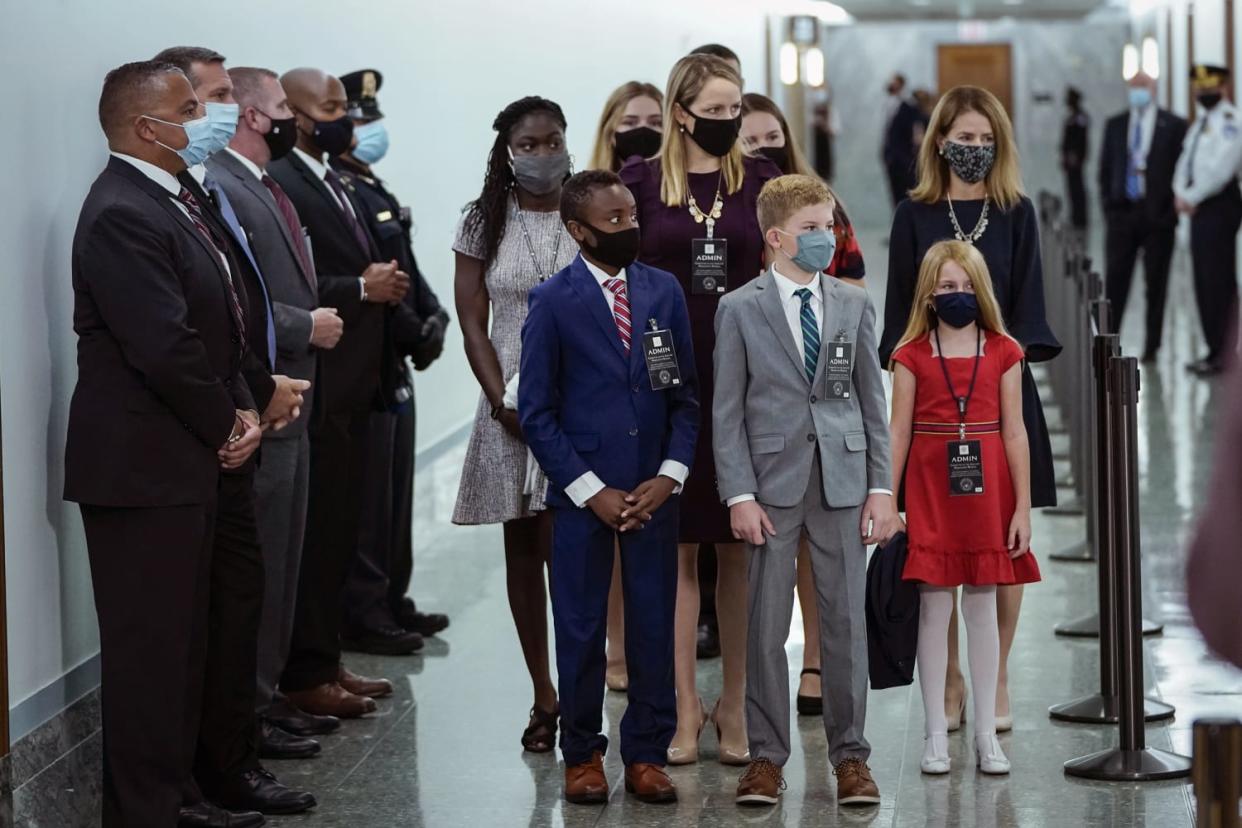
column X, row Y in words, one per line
column 607, row 402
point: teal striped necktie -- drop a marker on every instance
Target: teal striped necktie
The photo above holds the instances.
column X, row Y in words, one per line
column 810, row 333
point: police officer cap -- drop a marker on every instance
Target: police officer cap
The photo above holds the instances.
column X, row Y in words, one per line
column 360, row 89
column 1207, row 76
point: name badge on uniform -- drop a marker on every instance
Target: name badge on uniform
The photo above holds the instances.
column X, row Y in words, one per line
column 965, row 467
column 839, row 370
column 661, row 358
column 709, row 266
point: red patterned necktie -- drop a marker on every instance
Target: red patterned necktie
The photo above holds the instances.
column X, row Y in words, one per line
column 196, row 216
column 290, row 214
column 621, row 310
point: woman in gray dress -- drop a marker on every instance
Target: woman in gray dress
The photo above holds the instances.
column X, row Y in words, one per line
column 511, row 239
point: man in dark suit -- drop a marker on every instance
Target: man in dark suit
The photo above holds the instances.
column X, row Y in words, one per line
column 159, row 407
column 265, row 131
column 1137, row 160
column 379, row 579
column 1074, row 141
column 900, row 146
column 228, row 765
column 353, row 279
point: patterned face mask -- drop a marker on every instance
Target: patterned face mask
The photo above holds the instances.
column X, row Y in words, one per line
column 970, row 162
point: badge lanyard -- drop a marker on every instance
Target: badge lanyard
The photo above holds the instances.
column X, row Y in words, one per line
column 965, row 457
column 962, row 402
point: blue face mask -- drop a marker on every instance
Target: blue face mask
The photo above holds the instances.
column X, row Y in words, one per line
column 198, row 134
column 957, row 309
column 1140, row 97
column 222, row 117
column 816, row 249
column 372, row 142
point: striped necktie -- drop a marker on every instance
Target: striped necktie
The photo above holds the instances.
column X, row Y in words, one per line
column 196, row 216
column 810, row 333
column 621, row 310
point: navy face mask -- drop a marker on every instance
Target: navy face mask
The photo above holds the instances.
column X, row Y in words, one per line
column 957, row 309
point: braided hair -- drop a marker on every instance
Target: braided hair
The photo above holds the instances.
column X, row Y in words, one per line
column 486, row 216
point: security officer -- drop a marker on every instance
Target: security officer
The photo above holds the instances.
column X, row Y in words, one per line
column 1206, row 189
column 380, row 577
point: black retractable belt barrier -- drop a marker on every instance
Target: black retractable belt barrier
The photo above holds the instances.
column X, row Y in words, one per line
column 1217, row 772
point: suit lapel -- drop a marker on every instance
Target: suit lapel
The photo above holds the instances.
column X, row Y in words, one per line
column 591, row 295
column 638, row 288
column 770, row 304
column 321, row 188
column 260, row 191
column 829, row 324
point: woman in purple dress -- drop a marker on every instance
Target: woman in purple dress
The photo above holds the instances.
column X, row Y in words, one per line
column 696, row 206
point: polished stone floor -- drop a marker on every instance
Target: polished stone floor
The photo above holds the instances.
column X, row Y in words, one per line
column 444, row 751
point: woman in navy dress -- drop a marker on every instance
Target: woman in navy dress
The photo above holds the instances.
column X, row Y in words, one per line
column 970, row 188
column 702, row 186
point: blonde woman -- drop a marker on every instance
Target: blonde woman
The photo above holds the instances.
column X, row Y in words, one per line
column 970, row 189
column 957, row 391
column 698, row 198
column 632, row 124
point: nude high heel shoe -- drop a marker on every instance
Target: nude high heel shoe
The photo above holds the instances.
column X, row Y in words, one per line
column 955, row 722
column 688, row 754
column 729, row 754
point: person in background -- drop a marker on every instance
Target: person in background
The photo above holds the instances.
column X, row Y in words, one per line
column 1137, row 159
column 510, row 239
column 970, row 189
column 265, row 132
column 353, row 278
column 160, row 407
column 825, row 127
column 588, row 367
column 1205, row 188
column 901, row 121
column 1074, row 157
column 723, row 52
column 379, row 578
column 631, row 124
column 696, row 204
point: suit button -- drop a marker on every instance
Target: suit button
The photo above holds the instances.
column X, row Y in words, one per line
column 633, row 432
column 635, row 389
column 228, row 382
column 235, row 338
column 810, row 438
column 813, row 399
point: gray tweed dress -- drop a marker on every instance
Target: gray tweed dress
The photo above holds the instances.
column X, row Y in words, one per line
column 494, row 475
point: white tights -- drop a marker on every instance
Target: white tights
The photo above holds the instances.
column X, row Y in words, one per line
column 983, row 650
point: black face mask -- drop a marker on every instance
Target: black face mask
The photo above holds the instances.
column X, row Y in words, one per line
column 716, row 135
column 778, row 156
column 642, row 141
column 957, row 309
column 1208, row 100
column 616, row 249
column 282, row 136
column 333, row 137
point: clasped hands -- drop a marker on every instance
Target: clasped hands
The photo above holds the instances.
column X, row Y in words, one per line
column 627, row 512
column 880, row 521
column 243, row 440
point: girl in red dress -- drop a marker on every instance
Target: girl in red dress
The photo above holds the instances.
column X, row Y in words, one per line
column 959, row 438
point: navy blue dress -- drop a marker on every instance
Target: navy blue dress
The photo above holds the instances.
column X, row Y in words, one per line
column 1010, row 246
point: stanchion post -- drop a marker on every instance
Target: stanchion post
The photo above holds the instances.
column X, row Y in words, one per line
column 1217, row 772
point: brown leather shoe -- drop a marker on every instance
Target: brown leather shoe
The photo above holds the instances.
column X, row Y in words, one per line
column 363, row 686
column 331, row 699
column 585, row 783
column 761, row 784
column 854, row 783
column 649, row 783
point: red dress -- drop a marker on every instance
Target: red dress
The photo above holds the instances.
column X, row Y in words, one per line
column 960, row 539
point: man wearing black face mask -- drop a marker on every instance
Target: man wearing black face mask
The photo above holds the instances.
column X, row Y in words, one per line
column 266, row 132
column 379, row 577
column 353, row 277
column 1205, row 186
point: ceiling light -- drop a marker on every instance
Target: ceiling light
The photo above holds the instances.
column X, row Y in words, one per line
column 1129, row 61
column 814, row 66
column 1151, row 57
column 789, row 64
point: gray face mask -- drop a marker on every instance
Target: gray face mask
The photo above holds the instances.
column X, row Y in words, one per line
column 540, row 174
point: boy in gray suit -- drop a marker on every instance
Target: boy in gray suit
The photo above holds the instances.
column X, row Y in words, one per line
column 801, row 446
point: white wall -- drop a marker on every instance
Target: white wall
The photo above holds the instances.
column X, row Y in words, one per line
column 448, row 67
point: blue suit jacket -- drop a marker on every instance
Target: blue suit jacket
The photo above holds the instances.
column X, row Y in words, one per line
column 583, row 404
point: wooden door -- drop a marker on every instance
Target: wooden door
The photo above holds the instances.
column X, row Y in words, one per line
column 989, row 65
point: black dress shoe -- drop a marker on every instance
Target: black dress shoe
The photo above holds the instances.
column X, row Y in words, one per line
column 275, row 743
column 1206, row 367
column 290, row 719
column 708, row 644
column 205, row 815
column 383, row 641
column 1149, row 356
column 258, row 790
column 425, row 624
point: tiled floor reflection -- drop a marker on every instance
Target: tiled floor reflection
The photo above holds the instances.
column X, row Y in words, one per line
column 445, row 752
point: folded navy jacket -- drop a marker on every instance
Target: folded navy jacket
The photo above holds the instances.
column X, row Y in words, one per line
column 892, row 617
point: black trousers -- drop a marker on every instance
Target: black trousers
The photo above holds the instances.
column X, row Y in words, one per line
column 1077, row 191
column 337, row 475
column 228, row 741
column 1129, row 231
column 402, row 558
column 150, row 572
column 1213, row 238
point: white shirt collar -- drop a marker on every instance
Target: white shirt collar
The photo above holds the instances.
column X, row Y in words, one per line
column 246, row 162
column 199, row 173
column 159, row 175
column 317, row 165
column 601, row 276
column 788, row 286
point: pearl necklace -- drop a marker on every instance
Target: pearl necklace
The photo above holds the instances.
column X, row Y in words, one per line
column 980, row 227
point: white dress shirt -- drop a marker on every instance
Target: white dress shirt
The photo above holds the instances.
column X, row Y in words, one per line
column 320, row 169
column 791, row 303
column 589, row 484
column 246, row 162
column 1216, row 138
column 1146, row 119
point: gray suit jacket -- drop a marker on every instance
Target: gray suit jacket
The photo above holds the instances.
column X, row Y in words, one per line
column 767, row 419
column 294, row 292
